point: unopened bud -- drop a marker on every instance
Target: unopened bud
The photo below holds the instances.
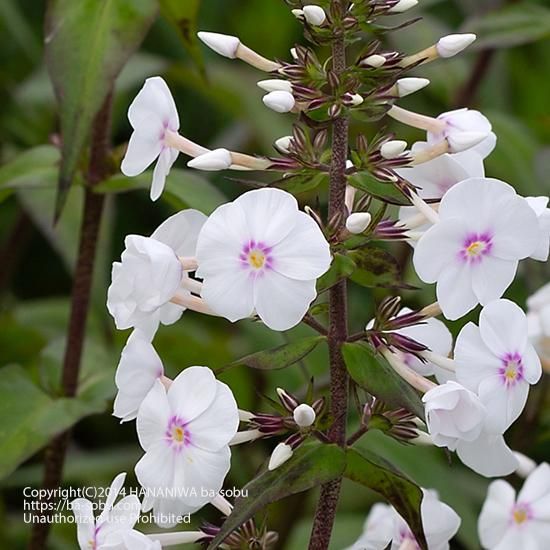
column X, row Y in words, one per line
column 374, row 60
column 454, row 43
column 274, row 85
column 279, row 101
column 407, row 86
column 280, row 455
column 294, row 54
column 353, row 99
column 392, row 149
column 283, row 144
column 314, row 15
column 218, row 159
column 357, row 222
column 222, row 44
column 403, row 5
column 304, row 415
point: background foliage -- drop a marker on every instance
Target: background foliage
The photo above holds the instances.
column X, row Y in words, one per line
column 504, row 75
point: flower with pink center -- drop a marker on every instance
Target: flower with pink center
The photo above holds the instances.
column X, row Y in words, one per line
column 472, row 252
column 185, row 432
column 260, row 254
column 496, row 361
column 510, row 522
column 152, row 115
column 115, row 521
column 384, row 525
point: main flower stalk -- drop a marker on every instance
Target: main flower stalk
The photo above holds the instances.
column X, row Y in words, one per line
column 338, row 329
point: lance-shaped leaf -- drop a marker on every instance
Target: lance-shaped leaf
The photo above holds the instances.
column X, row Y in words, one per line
column 279, row 357
column 87, row 44
column 311, row 465
column 373, row 373
column 386, row 192
column 377, row 474
column 182, row 14
column 376, row 267
column 342, row 266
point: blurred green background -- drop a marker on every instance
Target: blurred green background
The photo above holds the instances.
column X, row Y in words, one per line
column 505, row 75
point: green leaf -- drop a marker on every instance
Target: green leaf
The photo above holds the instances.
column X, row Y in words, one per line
column 520, row 23
column 184, row 189
column 30, row 418
column 183, row 16
column 301, row 183
column 37, row 167
column 373, row 472
column 386, row 192
column 374, row 374
column 279, row 357
column 310, row 466
column 375, row 267
column 342, row 266
column 87, row 44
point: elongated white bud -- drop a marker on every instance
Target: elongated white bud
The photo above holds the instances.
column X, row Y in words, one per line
column 279, row 101
column 314, row 15
column 294, row 54
column 526, row 465
column 304, row 415
column 357, row 222
column 218, row 159
column 393, row 148
column 356, row 99
column 454, row 43
column 274, row 85
column 283, row 144
column 223, row 44
column 407, row 86
column 299, row 14
column 374, row 60
column 461, row 141
column 280, row 455
column 403, row 5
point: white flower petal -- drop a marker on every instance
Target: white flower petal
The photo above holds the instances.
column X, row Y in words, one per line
column 153, row 416
column 162, row 169
column 281, row 302
column 181, row 231
column 439, row 520
column 454, row 291
column 155, row 469
column 495, row 514
column 491, row 277
column 488, row 455
column 532, row 369
column 192, row 392
column 503, row 327
column 537, row 485
column 305, row 253
column 85, row 524
column 143, row 149
column 216, row 426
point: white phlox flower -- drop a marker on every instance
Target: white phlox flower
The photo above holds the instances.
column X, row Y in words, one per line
column 453, row 414
column 260, row 254
column 154, row 118
column 138, row 369
column 496, row 361
column 108, row 530
column 134, row 540
column 150, row 274
column 185, row 432
column 472, row 252
column 522, row 522
column 461, row 127
column 384, row 525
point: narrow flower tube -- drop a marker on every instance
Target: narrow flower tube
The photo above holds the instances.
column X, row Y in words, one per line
column 416, row 120
column 222, row 504
column 232, row 48
column 414, row 379
column 246, row 437
column 423, row 207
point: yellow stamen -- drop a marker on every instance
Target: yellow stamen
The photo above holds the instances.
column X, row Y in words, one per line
column 178, row 434
column 520, row 516
column 256, row 259
column 474, row 249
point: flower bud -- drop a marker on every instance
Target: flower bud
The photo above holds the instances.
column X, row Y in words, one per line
column 304, row 415
column 222, row 44
column 353, row 99
column 453, row 43
column 274, row 85
column 407, row 86
column 294, row 54
column 314, row 15
column 403, row 5
column 393, row 148
column 374, row 60
column 218, row 159
column 283, row 144
column 280, row 455
column 279, row 101
column 357, row 222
